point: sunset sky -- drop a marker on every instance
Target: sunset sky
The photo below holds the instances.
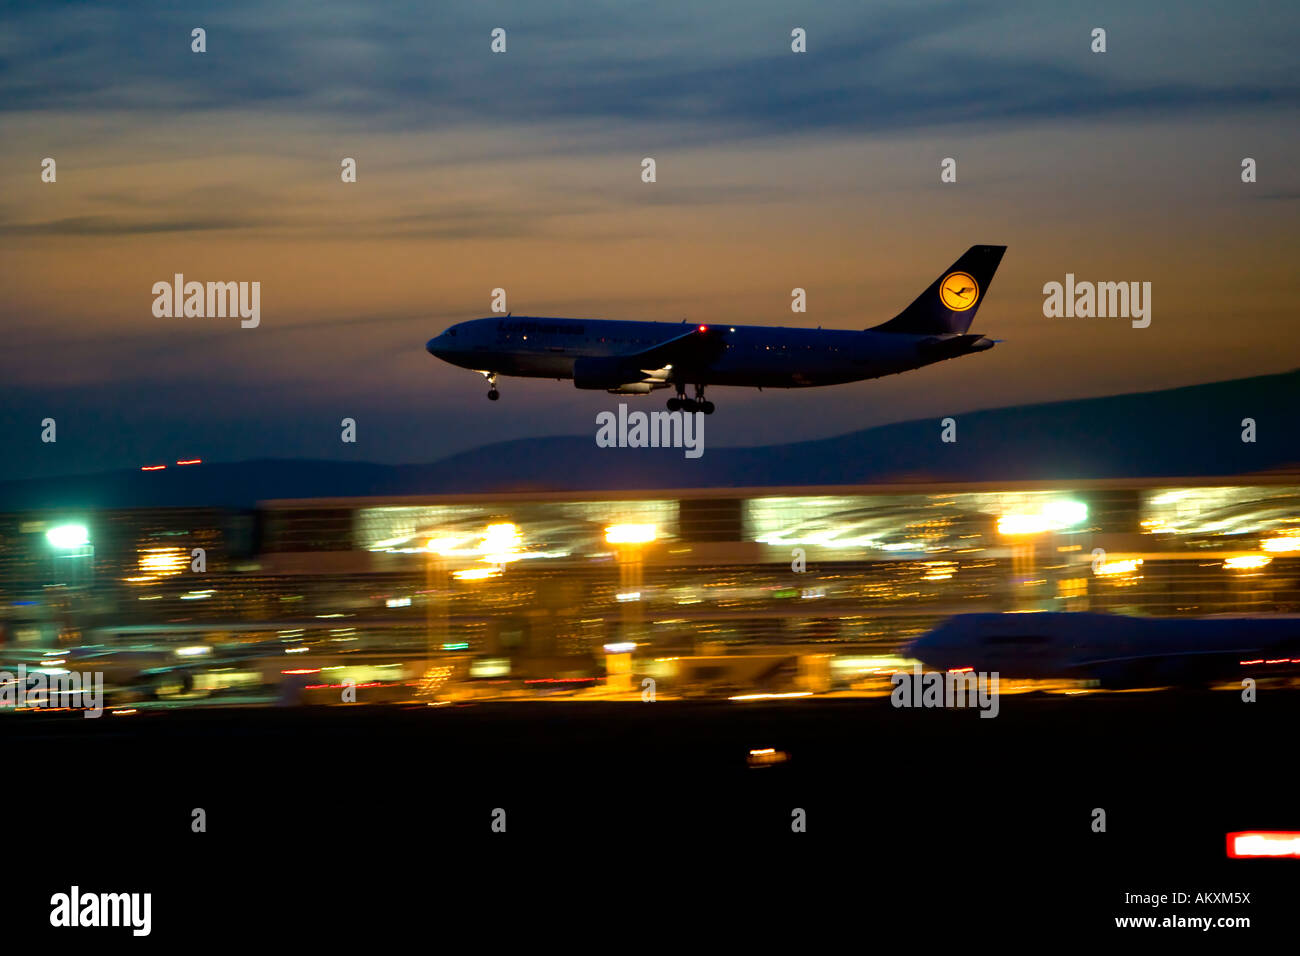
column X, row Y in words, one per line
column 522, row 170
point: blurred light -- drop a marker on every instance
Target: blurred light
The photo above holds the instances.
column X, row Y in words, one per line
column 197, row 595
column 501, row 543
column 195, row 650
column 475, row 574
column 67, row 536
column 303, row 670
column 1021, row 524
column 191, row 461
column 628, row 596
column 398, row 602
column 1283, row 544
column 459, row 646
column 490, row 667
column 631, row 533
column 1263, row 843
column 767, row 756
column 152, row 467
column 621, row 647
column 1125, row 566
column 447, row 544
column 1053, row 516
column 867, row 664
column 1246, row 562
column 802, row 693
column 157, row 561
column 296, row 650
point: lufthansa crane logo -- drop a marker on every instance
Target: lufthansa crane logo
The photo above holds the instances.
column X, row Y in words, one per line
column 959, row 291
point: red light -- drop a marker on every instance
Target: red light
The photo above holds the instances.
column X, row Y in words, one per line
column 303, row 670
column 1256, row 844
column 560, row 680
column 152, row 467
column 191, row 461
column 704, row 328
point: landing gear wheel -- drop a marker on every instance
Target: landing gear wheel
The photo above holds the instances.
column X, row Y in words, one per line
column 699, row 403
column 493, row 395
column 690, row 405
column 674, row 404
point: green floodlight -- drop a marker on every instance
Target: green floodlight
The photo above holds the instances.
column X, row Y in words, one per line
column 66, row 537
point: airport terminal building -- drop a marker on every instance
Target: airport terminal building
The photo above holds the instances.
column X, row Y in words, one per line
column 542, row 586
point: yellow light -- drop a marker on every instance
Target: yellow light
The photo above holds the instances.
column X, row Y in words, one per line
column 1281, row 545
column 1022, row 524
column 475, row 574
column 162, row 560
column 1053, row 516
column 1247, row 562
column 444, row 545
column 501, row 543
column 1127, row 566
column 630, row 533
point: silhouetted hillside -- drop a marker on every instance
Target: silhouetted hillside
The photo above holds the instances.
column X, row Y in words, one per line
column 1193, row 431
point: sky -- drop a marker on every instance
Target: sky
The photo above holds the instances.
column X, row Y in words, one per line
column 522, row 171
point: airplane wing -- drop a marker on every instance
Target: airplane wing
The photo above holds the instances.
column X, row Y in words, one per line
column 694, row 349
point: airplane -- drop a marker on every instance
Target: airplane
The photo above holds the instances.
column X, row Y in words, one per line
column 1113, row 649
column 636, row 358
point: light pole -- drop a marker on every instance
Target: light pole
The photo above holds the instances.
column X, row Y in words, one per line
column 71, row 542
column 629, row 539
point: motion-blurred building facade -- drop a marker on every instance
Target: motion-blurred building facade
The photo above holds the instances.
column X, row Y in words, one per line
column 555, row 592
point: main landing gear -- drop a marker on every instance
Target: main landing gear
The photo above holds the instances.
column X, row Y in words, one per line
column 493, row 394
column 696, row 404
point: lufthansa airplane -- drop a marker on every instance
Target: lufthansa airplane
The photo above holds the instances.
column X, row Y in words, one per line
column 636, row 358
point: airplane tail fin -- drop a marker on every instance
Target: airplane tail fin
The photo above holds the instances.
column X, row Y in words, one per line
column 951, row 301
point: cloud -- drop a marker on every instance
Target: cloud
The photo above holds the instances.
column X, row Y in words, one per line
column 708, row 74
column 115, row 226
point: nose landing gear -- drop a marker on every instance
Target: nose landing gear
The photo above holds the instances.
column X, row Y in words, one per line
column 493, row 394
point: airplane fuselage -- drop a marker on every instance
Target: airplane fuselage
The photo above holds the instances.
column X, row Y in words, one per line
column 750, row 355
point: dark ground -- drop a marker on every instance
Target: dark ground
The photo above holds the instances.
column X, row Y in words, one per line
column 643, row 823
